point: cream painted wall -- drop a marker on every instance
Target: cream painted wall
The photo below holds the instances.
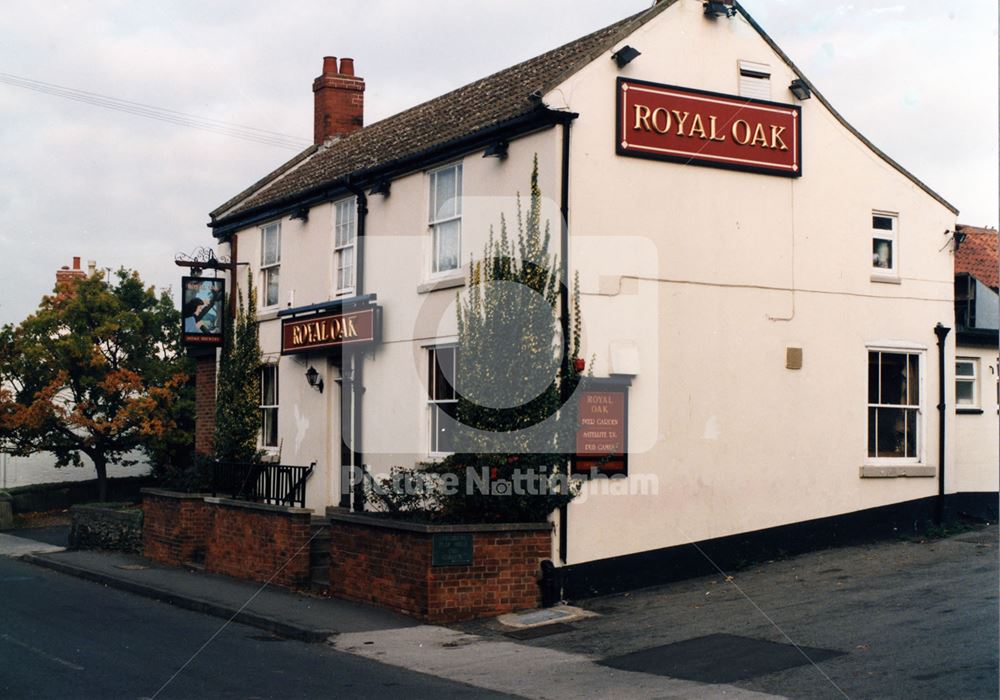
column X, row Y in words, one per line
column 735, row 441
column 977, row 436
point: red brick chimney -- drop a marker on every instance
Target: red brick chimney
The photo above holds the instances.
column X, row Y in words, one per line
column 65, row 275
column 339, row 100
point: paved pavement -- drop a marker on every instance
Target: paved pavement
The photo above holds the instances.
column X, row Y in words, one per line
column 906, row 619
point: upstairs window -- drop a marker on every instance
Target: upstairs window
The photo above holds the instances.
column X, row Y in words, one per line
column 755, row 80
column 884, row 249
column 270, row 262
column 446, row 218
column 966, row 391
column 345, row 237
column 442, row 398
column 269, row 406
column 894, row 408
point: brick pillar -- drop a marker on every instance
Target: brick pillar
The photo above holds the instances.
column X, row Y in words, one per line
column 204, row 412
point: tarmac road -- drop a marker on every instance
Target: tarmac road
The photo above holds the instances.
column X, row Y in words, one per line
column 62, row 637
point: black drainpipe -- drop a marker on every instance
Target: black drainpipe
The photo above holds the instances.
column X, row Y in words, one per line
column 941, row 332
column 358, row 357
column 564, row 306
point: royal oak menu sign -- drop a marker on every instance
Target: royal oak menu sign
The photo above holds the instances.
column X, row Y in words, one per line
column 602, row 432
column 683, row 125
column 329, row 330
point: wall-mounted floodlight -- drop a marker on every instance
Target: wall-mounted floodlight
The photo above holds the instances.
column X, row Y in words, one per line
column 714, row 9
column 800, row 89
column 625, row 55
column 381, row 187
column 496, row 150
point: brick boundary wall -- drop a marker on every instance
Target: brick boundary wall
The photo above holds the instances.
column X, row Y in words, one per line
column 258, row 542
column 389, row 563
column 174, row 526
column 237, row 538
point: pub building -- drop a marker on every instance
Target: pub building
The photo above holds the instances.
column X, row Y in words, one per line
column 766, row 297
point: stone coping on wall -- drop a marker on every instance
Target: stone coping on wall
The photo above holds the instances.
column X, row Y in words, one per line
column 372, row 520
column 250, row 505
column 179, row 495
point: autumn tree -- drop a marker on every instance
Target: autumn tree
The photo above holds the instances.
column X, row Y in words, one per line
column 96, row 371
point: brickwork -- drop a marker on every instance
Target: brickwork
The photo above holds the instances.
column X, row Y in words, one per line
column 259, row 543
column 243, row 540
column 339, row 100
column 174, row 526
column 204, row 404
column 392, row 568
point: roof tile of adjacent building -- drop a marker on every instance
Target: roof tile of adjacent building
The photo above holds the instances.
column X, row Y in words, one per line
column 492, row 101
column 978, row 254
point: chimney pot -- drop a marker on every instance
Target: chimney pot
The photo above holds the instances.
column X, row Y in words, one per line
column 347, row 66
column 76, row 262
column 329, row 65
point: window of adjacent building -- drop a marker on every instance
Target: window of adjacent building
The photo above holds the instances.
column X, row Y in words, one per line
column 966, row 390
column 442, row 398
column 884, row 248
column 270, row 262
column 269, row 406
column 345, row 237
column 894, row 409
column 755, row 80
column 446, row 218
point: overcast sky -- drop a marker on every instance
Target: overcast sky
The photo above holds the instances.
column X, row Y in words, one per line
column 919, row 78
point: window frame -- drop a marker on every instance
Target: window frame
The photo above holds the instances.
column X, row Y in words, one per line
column 267, row 269
column 265, row 408
column 341, row 246
column 972, row 379
column 892, row 237
column 434, row 402
column 920, row 353
column 437, row 223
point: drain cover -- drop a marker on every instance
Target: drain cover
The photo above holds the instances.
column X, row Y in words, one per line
column 537, row 617
column 130, row 567
column 718, row 658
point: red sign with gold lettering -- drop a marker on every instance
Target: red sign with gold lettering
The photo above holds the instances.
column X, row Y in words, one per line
column 601, row 433
column 683, row 125
column 327, row 331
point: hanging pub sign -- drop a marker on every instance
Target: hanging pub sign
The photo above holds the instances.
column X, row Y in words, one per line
column 689, row 126
column 202, row 311
column 602, row 429
column 328, row 330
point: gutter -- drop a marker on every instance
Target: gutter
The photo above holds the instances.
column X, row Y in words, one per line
column 358, row 356
column 941, row 332
column 537, row 118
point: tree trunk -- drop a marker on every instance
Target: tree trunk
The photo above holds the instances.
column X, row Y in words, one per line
column 101, row 464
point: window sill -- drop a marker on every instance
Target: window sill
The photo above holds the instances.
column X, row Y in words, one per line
column 268, row 314
column 969, row 411
column 443, row 283
column 886, row 279
column 869, row 471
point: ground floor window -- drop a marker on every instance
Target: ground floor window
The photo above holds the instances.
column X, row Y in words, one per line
column 442, row 398
column 269, row 406
column 894, row 405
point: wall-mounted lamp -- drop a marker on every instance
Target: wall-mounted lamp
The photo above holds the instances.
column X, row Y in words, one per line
column 800, row 89
column 315, row 381
column 496, row 150
column 301, row 213
column 625, row 55
column 714, row 9
column 381, row 187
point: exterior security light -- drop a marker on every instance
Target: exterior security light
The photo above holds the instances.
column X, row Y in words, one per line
column 800, row 89
column 381, row 187
column 624, row 56
column 315, row 381
column 714, row 9
column 497, row 150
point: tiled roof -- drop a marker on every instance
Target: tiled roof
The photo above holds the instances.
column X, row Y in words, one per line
column 977, row 254
column 488, row 102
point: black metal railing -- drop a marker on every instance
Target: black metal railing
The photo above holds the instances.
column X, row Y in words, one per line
column 277, row 484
